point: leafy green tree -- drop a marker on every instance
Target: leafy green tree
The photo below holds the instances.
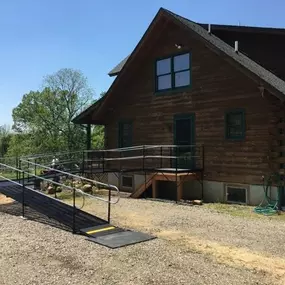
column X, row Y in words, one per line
column 98, row 137
column 72, row 88
column 5, row 137
column 98, row 132
column 46, row 115
column 21, row 144
column 102, row 94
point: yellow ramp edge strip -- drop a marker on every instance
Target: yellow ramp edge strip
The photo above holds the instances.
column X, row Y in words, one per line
column 100, row 230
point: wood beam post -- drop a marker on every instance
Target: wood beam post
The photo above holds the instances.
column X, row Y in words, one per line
column 179, row 189
column 154, row 188
column 88, row 134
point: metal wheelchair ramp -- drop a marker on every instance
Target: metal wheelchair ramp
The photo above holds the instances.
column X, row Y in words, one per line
column 81, row 222
column 114, row 237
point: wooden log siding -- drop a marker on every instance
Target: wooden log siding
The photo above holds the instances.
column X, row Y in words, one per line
column 217, row 86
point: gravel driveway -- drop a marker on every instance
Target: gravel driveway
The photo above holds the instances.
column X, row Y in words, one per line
column 195, row 245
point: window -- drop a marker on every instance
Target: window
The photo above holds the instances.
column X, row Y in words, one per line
column 127, row 181
column 235, row 124
column 236, row 194
column 173, row 72
column 125, row 134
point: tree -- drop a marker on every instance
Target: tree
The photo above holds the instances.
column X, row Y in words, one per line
column 46, row 115
column 102, row 94
column 75, row 95
column 5, row 137
column 39, row 116
column 98, row 139
column 21, row 144
column 98, row 132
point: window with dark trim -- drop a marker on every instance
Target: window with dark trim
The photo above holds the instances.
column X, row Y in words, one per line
column 235, row 124
column 173, row 72
column 125, row 134
column 236, row 194
column 127, row 181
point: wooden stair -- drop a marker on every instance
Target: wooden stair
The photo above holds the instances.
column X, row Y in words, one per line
column 142, row 187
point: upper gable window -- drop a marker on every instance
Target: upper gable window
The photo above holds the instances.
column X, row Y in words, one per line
column 173, row 72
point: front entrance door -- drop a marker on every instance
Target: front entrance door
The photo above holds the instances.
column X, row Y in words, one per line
column 184, row 135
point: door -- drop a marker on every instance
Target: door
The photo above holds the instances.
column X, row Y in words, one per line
column 184, row 136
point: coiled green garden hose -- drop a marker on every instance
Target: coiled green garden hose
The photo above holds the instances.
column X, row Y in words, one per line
column 269, row 206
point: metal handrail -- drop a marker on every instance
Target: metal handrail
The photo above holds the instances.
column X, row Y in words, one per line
column 19, row 184
column 35, row 156
column 62, row 185
column 140, row 147
column 139, row 157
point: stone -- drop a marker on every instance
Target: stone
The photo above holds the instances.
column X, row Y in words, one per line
column 94, row 189
column 87, row 188
column 197, row 202
column 50, row 190
column 58, row 189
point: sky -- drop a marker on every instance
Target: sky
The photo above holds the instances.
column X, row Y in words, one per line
column 39, row 37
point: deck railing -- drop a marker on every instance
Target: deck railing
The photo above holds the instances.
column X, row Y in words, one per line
column 145, row 158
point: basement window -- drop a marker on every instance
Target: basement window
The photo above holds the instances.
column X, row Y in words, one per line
column 236, row 194
column 173, row 72
column 127, row 181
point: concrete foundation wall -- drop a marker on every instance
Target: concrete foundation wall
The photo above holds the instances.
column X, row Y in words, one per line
column 213, row 191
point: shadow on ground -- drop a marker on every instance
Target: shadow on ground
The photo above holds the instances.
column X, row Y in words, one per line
column 15, row 209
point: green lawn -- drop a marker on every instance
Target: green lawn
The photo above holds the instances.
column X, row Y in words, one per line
column 9, row 175
column 242, row 211
column 13, row 174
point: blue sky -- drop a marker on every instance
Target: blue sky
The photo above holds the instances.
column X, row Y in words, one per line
column 38, row 37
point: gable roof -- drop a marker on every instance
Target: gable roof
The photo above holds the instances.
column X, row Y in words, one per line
column 276, row 84
column 116, row 70
column 235, row 32
column 246, row 62
column 86, row 116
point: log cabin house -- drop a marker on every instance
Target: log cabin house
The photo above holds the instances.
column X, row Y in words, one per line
column 216, row 88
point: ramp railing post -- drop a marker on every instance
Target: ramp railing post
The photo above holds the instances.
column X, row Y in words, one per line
column 203, row 156
column 17, row 166
column 35, row 166
column 109, row 206
column 74, row 210
column 83, row 163
column 103, row 161
column 143, row 162
column 161, row 157
column 28, row 170
column 23, row 194
column 19, row 172
column 170, row 155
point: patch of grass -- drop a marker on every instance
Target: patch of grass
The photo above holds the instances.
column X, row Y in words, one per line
column 13, row 174
column 66, row 195
column 9, row 175
column 242, row 211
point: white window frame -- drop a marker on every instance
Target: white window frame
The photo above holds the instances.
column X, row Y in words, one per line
column 121, row 181
column 237, row 186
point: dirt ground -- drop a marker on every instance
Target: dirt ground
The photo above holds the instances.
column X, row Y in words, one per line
column 251, row 243
column 194, row 245
column 5, row 200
